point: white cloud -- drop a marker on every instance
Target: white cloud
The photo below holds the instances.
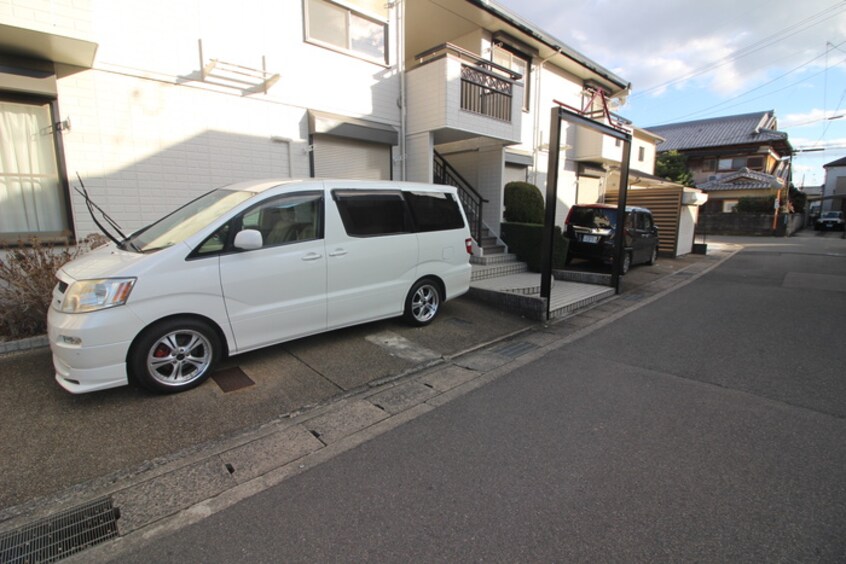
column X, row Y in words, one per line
column 808, row 119
column 685, row 35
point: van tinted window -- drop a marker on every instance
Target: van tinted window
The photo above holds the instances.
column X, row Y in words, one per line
column 594, row 218
column 368, row 214
column 434, row 211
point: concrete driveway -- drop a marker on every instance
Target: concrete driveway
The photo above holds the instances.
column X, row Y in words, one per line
column 53, row 440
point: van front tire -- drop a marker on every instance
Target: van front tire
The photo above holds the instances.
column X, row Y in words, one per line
column 174, row 355
column 423, row 302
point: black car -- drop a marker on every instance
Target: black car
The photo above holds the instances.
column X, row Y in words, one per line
column 590, row 230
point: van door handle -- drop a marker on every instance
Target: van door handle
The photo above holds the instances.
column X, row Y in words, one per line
column 338, row 253
column 311, row 256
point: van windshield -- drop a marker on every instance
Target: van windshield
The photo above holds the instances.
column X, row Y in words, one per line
column 186, row 221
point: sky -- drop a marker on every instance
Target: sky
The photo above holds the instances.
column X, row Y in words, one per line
column 689, row 60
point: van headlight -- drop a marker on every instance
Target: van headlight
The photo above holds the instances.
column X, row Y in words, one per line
column 90, row 295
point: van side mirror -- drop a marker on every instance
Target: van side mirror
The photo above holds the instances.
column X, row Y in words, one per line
column 248, row 240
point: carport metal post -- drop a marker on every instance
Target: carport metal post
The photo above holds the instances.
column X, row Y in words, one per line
column 557, row 114
column 619, row 240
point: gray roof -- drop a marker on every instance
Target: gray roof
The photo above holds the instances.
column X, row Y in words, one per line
column 758, row 127
column 743, row 179
column 838, row 162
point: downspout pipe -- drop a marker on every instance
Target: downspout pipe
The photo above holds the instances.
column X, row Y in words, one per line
column 403, row 102
column 536, row 140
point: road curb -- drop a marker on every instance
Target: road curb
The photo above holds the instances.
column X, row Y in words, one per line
column 21, row 345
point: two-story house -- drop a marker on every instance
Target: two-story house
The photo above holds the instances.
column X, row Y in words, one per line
column 833, row 191
column 731, row 157
column 480, row 84
column 154, row 105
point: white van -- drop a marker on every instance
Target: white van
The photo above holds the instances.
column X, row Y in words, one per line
column 250, row 265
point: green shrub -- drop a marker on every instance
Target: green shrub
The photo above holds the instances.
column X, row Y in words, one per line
column 523, row 203
column 525, row 241
column 27, row 278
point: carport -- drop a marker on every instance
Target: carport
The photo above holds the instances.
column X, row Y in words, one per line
column 595, row 116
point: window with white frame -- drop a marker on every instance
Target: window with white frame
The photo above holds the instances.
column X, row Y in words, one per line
column 33, row 201
column 516, row 62
column 736, row 163
column 345, row 28
column 730, row 206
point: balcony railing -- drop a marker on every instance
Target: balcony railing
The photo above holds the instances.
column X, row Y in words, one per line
column 486, row 87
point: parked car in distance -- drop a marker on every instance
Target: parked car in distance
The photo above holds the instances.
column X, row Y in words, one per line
column 830, row 220
column 590, row 230
column 250, row 265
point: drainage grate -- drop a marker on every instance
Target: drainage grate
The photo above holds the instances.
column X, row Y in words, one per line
column 513, row 350
column 62, row 534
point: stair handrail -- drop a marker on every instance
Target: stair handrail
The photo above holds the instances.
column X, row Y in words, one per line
column 470, row 195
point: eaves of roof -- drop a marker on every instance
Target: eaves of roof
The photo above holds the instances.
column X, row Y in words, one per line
column 540, row 35
column 743, row 179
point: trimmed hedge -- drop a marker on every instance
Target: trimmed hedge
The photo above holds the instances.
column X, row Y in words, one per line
column 523, row 203
column 524, row 240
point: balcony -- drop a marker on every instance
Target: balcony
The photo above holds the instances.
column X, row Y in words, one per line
column 592, row 146
column 458, row 95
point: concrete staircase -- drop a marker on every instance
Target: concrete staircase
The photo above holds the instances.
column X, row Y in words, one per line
column 500, row 279
column 495, row 261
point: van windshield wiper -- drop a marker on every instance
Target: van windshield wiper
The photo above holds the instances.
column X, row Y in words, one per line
column 114, row 225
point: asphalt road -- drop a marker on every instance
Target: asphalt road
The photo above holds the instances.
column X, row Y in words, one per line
column 708, row 426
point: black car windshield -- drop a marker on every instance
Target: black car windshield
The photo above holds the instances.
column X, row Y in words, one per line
column 594, row 218
column 186, row 221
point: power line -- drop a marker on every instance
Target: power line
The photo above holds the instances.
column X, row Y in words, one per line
column 752, row 48
column 776, row 79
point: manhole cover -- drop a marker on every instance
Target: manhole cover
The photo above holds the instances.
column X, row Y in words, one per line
column 231, row 379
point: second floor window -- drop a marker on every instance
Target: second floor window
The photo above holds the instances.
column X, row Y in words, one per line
column 337, row 26
column 736, row 163
column 517, row 63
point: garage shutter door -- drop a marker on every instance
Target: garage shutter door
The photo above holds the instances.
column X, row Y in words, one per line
column 515, row 173
column 336, row 157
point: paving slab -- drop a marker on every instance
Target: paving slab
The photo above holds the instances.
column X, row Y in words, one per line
column 271, row 451
column 447, row 378
column 349, row 417
column 154, row 499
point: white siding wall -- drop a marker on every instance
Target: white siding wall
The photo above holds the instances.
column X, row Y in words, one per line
column 419, row 156
column 555, row 84
column 71, row 18
column 148, row 134
column 833, row 185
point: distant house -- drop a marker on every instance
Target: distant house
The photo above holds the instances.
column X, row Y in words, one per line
column 835, row 185
column 731, row 157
